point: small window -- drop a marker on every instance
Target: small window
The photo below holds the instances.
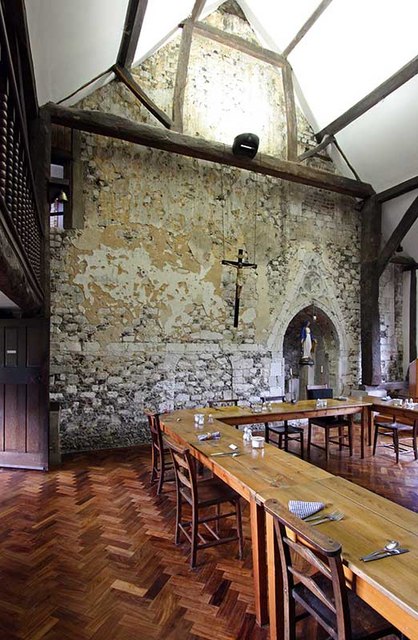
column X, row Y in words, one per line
column 59, row 183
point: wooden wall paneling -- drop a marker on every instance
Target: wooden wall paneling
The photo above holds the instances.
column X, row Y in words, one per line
column 34, row 437
column 24, row 403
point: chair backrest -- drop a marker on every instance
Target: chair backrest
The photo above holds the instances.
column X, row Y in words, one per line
column 306, row 555
column 272, row 398
column 155, row 430
column 221, row 401
column 184, row 469
column 318, row 391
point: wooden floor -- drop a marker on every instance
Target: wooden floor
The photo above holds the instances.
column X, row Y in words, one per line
column 87, row 553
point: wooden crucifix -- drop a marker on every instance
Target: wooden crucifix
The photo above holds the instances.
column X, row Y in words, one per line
column 239, row 264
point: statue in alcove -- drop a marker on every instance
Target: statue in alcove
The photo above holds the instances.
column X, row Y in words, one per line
column 308, row 343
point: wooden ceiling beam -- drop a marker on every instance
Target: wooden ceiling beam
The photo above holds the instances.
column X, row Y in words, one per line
column 183, row 64
column 291, row 120
column 408, row 263
column 181, row 75
column 235, row 42
column 305, row 28
column 158, row 138
column 382, row 91
column 131, row 31
column 398, row 190
column 129, row 81
column 197, row 10
column 319, row 147
column 397, row 236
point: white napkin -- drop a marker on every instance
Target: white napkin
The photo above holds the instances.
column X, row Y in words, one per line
column 304, row 509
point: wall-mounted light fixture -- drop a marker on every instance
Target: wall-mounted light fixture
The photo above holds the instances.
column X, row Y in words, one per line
column 246, row 144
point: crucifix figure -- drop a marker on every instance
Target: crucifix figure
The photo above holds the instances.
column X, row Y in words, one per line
column 239, row 264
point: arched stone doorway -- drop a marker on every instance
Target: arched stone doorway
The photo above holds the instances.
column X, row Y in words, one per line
column 326, row 367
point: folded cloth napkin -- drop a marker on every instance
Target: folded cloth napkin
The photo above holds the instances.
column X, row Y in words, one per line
column 304, row 509
column 214, row 435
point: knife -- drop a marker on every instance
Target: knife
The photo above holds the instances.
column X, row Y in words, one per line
column 385, row 554
column 225, row 453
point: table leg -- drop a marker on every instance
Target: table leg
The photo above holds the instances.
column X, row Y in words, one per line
column 258, row 543
column 275, row 583
column 365, row 427
column 369, row 426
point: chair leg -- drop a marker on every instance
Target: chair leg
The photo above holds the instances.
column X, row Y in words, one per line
column 301, row 445
column 350, row 436
column 376, row 433
column 179, row 506
column 195, row 525
column 154, row 469
column 218, row 513
column 266, row 432
column 396, row 444
column 340, row 438
column 162, row 472
column 326, row 445
column 308, row 449
column 286, row 438
column 414, row 445
column 239, row 529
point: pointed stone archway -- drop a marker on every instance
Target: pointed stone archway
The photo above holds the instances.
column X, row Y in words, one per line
column 312, row 288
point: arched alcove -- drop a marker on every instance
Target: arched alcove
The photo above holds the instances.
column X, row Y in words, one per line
column 312, row 287
column 326, row 357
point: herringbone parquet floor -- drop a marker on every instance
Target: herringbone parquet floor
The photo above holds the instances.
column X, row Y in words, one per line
column 87, row 553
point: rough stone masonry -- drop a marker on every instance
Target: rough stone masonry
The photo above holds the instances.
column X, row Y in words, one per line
column 142, row 309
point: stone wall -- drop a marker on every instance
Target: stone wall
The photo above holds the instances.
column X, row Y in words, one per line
column 142, row 308
column 391, row 338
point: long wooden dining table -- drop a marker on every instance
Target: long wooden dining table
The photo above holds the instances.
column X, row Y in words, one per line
column 269, row 473
column 302, row 410
column 389, row 585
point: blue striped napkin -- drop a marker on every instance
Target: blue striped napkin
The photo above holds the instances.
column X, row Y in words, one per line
column 304, row 509
column 214, row 435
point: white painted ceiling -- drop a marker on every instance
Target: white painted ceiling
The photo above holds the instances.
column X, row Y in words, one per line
column 353, row 47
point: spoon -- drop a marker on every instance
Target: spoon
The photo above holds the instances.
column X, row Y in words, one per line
column 390, row 546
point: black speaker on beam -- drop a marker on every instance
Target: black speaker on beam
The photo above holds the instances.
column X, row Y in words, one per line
column 246, row 144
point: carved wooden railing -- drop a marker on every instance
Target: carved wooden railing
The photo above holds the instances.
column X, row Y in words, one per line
column 18, row 206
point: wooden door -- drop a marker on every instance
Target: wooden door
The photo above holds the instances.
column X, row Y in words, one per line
column 24, row 393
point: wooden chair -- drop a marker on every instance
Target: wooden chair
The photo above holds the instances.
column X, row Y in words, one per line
column 223, row 402
column 343, row 424
column 161, row 463
column 313, row 578
column 201, row 496
column 284, row 432
column 384, row 427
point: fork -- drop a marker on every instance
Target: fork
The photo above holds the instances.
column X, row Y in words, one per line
column 338, row 515
column 319, row 516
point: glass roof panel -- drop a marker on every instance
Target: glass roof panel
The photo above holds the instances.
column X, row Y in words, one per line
column 383, row 143
column 277, row 23
column 352, row 48
column 72, row 42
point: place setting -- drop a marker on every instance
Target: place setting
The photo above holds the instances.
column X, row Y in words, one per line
column 391, row 548
column 310, row 512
